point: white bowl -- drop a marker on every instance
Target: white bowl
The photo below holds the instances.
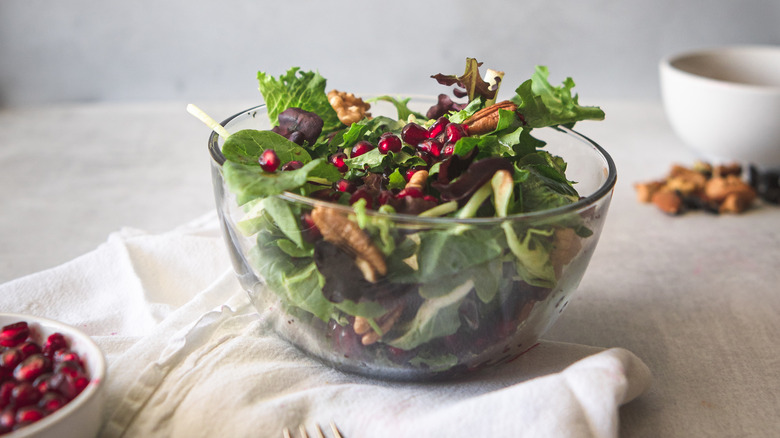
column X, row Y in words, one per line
column 82, row 416
column 725, row 102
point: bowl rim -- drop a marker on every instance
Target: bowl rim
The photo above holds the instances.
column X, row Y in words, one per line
column 668, row 63
column 581, row 204
column 97, row 375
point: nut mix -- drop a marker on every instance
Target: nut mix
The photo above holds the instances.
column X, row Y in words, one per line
column 35, row 379
column 715, row 189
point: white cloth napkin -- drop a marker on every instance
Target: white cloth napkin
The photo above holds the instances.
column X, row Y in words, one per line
column 189, row 357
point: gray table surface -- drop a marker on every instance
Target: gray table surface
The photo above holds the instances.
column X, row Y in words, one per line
column 696, row 297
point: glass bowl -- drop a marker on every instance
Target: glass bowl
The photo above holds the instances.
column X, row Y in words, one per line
column 456, row 296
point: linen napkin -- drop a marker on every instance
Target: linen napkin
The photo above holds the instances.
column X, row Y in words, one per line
column 188, row 357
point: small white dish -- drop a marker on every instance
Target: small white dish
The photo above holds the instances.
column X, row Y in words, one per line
column 725, row 102
column 82, row 416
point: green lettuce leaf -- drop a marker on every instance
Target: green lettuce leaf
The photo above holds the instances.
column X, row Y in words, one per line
column 542, row 104
column 435, row 318
column 248, row 182
column 401, row 107
column 300, row 89
column 247, row 145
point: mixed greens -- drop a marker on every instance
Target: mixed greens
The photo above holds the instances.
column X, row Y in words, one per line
column 385, row 291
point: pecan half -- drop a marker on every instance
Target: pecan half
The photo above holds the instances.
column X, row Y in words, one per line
column 486, row 119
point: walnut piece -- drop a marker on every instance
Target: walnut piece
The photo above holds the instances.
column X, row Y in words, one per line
column 385, row 322
column 337, row 229
column 349, row 108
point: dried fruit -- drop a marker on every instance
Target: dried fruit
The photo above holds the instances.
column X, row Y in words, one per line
column 298, row 125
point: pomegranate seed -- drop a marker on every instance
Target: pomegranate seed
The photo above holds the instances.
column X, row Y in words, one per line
column 6, row 393
column 64, row 385
column 51, row 401
column 42, row 383
column 345, row 186
column 54, row 342
column 448, row 150
column 14, row 334
column 10, row 358
column 431, row 146
column 32, row 367
column 362, row 194
column 80, row 384
column 413, row 134
column 454, row 132
column 337, row 160
column 361, row 148
column 8, row 418
column 385, row 196
column 389, row 143
column 269, row 161
column 25, row 394
column 425, row 157
column 65, row 355
column 345, row 340
column 412, row 192
column 70, row 369
column 28, row 349
column 309, row 229
column 325, row 195
column 438, row 127
column 292, row 165
column 29, row 414
column 412, row 171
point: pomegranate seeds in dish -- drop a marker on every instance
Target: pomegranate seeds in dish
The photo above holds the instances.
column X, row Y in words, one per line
column 35, row 380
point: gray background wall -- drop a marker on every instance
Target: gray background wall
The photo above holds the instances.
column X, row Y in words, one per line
column 98, row 50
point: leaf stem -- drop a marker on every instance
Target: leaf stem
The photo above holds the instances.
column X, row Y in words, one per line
column 472, row 205
column 440, row 210
column 210, row 122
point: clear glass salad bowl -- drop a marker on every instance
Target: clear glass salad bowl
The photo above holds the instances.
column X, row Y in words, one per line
column 458, row 295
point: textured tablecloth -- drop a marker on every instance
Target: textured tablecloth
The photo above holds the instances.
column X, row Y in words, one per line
column 695, row 297
column 189, row 356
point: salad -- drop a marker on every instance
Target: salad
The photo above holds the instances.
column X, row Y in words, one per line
column 363, row 226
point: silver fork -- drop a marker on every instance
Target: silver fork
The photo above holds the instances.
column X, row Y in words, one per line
column 303, row 434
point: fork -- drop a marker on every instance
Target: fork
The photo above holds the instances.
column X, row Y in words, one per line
column 302, row 430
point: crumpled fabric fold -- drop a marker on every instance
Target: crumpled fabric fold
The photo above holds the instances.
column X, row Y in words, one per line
column 189, row 356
